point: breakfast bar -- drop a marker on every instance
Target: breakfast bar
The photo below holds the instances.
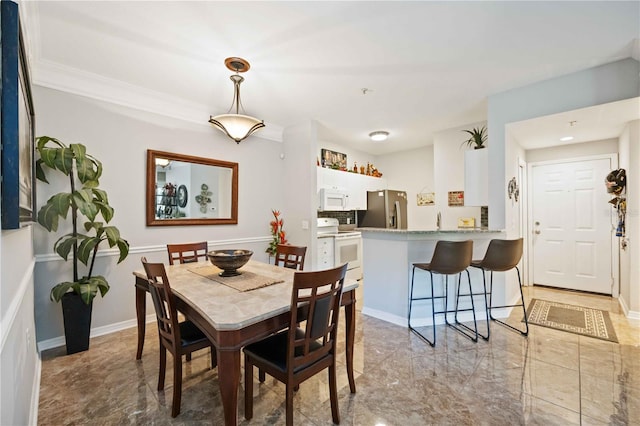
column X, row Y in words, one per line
column 388, row 255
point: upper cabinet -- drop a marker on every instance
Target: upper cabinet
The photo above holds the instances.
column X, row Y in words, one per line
column 355, row 185
column 476, row 177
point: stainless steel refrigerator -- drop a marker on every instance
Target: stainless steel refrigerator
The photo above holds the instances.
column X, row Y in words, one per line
column 385, row 209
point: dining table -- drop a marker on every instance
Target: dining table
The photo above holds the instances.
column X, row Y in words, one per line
column 234, row 314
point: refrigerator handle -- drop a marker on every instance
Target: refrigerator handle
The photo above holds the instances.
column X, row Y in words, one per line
column 398, row 217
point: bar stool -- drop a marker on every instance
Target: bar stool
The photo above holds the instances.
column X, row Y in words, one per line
column 501, row 255
column 449, row 258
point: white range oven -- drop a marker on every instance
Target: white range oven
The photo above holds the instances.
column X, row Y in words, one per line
column 345, row 245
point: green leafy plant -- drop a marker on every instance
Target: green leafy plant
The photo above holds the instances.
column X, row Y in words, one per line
column 84, row 200
column 478, row 137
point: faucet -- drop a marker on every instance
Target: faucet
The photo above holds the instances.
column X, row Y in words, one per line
column 438, row 221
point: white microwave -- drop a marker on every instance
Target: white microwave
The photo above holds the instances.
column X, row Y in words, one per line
column 333, row 199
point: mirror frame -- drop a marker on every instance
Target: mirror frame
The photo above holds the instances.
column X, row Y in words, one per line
column 151, row 190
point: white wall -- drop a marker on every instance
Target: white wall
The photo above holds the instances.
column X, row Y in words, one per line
column 629, row 147
column 448, row 171
column 19, row 360
column 119, row 137
column 412, row 171
column 298, row 192
column 607, row 83
column 585, row 149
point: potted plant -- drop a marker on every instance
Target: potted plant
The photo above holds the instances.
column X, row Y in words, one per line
column 277, row 233
column 85, row 201
column 478, row 137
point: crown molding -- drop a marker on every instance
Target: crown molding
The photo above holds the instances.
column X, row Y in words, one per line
column 72, row 80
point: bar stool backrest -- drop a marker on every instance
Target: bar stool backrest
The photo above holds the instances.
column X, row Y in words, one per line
column 451, row 257
column 502, row 255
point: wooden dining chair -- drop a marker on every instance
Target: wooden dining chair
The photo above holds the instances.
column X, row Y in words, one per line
column 295, row 355
column 187, row 253
column 290, row 256
column 179, row 338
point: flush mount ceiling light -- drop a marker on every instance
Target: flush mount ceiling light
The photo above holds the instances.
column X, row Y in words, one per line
column 566, row 138
column 379, row 136
column 235, row 125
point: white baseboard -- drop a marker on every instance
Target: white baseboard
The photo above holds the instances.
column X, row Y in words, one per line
column 35, row 394
column 427, row 321
column 95, row 332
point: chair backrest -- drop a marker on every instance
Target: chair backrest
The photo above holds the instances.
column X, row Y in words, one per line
column 290, row 256
column 502, row 255
column 187, row 253
column 451, row 257
column 163, row 302
column 320, row 293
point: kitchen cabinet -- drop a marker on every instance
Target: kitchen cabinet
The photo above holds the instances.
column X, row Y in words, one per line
column 325, row 254
column 356, row 185
column 476, row 177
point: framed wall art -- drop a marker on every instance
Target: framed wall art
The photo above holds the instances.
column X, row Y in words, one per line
column 456, row 198
column 333, row 159
column 17, row 134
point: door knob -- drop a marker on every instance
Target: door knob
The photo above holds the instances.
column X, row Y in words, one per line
column 536, row 232
column 537, row 223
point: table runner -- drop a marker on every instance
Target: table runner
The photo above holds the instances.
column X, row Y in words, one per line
column 245, row 282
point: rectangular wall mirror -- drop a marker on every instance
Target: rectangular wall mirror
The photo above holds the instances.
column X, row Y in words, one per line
column 187, row 190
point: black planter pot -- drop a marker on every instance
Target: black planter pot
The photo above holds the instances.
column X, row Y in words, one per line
column 77, row 323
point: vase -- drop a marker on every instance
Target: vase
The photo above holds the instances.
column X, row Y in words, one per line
column 77, row 322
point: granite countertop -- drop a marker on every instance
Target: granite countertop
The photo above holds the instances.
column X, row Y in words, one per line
column 432, row 231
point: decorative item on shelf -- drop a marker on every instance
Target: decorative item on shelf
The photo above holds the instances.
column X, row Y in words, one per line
column 362, row 171
column 355, row 167
column 83, row 200
column 616, row 182
column 513, row 189
column 456, row 198
column 204, row 198
column 277, row 232
column 235, row 125
column 478, row 137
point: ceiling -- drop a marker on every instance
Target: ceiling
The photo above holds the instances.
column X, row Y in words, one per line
column 428, row 66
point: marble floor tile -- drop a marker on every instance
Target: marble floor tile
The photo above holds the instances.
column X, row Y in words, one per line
column 548, row 378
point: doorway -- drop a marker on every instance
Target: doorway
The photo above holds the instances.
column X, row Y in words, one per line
column 571, row 221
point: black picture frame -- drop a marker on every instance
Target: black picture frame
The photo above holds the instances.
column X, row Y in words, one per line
column 18, row 124
column 333, row 159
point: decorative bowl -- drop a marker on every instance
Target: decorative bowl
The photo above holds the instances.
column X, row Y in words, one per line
column 229, row 260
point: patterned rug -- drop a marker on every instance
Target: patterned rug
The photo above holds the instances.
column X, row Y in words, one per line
column 574, row 319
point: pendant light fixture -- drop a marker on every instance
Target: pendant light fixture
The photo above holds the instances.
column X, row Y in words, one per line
column 235, row 125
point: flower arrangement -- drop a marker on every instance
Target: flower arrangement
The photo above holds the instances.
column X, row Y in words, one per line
column 279, row 236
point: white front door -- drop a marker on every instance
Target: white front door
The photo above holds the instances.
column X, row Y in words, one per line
column 572, row 225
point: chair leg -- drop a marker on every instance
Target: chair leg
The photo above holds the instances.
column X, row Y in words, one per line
column 458, row 326
column 333, row 390
column 162, row 369
column 486, row 305
column 522, row 304
column 433, row 315
column 289, row 404
column 261, row 376
column 189, row 357
column 177, row 385
column 248, row 389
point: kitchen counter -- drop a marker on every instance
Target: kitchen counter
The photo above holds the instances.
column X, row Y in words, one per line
column 432, row 231
column 387, row 259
